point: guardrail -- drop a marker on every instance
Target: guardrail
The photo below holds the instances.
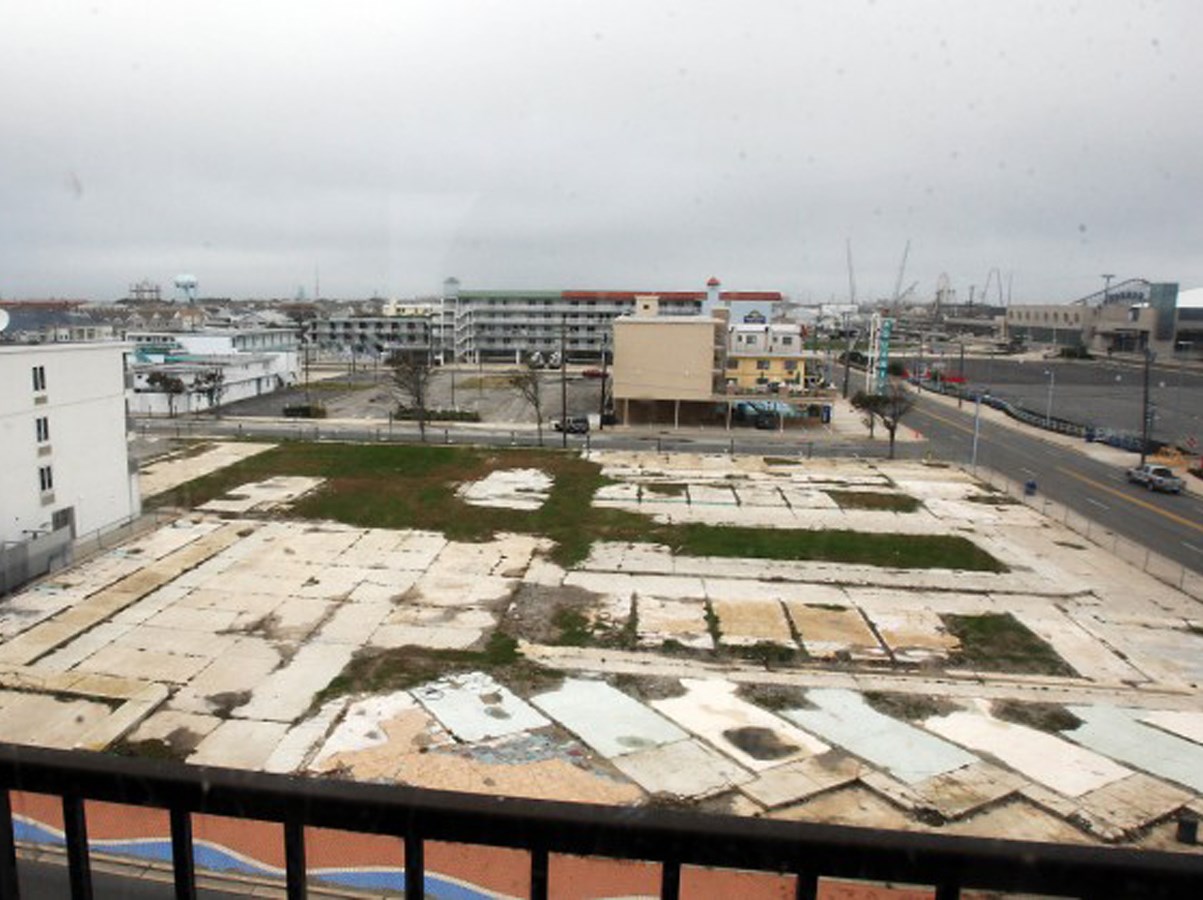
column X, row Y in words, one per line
column 673, row 839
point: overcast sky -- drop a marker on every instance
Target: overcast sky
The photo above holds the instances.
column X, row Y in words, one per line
column 637, row 145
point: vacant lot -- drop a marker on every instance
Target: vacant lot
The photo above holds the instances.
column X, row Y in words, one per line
column 414, row 487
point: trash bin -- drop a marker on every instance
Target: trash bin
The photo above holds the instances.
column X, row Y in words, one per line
column 825, row 414
column 1029, row 488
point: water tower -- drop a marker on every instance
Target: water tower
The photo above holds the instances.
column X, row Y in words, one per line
column 187, row 284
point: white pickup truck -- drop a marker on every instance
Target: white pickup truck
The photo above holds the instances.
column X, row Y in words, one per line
column 1156, row 478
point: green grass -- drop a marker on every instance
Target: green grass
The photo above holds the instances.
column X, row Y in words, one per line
column 391, row 486
column 1001, row 643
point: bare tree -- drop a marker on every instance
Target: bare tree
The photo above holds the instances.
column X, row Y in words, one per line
column 171, row 385
column 212, row 385
column 526, row 382
column 890, row 406
column 412, row 372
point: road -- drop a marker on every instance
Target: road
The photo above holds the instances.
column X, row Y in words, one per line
column 1167, row 524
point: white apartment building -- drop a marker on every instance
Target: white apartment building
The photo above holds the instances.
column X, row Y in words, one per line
column 64, row 459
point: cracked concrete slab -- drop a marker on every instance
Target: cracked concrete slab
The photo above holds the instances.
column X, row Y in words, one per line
column 626, row 726
column 525, row 489
column 685, row 769
column 474, row 707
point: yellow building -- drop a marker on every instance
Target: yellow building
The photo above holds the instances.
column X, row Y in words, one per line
column 759, row 372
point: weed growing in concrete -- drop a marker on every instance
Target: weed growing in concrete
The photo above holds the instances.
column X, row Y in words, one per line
column 996, row 642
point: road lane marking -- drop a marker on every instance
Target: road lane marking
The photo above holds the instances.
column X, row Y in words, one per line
column 1096, row 503
column 1191, row 547
column 1173, row 517
column 1026, row 469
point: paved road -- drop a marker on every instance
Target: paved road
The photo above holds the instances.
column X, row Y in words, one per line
column 1169, row 525
column 1103, row 393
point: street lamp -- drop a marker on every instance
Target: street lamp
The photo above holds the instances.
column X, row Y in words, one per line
column 1052, row 382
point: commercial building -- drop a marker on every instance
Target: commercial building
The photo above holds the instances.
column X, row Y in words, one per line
column 765, row 356
column 64, row 462
column 1129, row 317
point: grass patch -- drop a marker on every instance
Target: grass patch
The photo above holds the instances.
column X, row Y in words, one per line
column 904, row 551
column 775, row 696
column 877, row 500
column 413, row 486
column 767, row 654
column 1001, row 643
column 909, row 707
column 1051, row 717
column 993, row 500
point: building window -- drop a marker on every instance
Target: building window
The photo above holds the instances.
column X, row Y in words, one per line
column 42, row 424
column 733, row 364
column 39, row 378
column 46, row 478
column 787, row 341
column 762, row 365
column 791, row 365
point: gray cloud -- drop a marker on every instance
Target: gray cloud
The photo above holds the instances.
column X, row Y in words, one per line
column 620, row 144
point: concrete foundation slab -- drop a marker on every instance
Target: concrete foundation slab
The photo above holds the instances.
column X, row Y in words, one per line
column 913, row 635
column 828, row 631
column 749, row 622
column 239, row 745
column 1119, row 734
column 906, row 752
column 684, row 769
column 683, row 621
column 606, row 719
column 1041, row 757
column 474, row 707
column 508, row 489
column 753, row 737
column 287, row 692
column 796, row 781
column 1187, row 725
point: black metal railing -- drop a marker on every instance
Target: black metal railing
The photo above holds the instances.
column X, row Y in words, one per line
column 671, row 838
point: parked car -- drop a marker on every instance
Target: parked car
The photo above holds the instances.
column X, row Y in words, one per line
column 1156, row 478
column 593, row 373
column 572, row 424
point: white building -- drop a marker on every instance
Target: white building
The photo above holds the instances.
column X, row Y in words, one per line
column 245, row 363
column 64, row 459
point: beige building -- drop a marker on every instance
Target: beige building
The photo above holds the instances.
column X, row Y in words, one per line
column 668, row 368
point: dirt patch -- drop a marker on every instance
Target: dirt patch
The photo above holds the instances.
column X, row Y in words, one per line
column 1051, row 717
column 909, row 707
column 664, row 489
column 647, row 687
column 760, row 743
column 177, row 746
column 226, row 702
column 564, row 616
column 775, row 696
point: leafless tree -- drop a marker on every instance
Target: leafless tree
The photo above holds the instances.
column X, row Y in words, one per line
column 212, row 386
column 412, row 372
column 526, row 382
column 171, row 385
column 890, row 406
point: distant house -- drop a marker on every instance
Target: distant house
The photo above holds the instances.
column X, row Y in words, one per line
column 760, row 355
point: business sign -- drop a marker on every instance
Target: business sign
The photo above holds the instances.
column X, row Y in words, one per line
column 883, row 353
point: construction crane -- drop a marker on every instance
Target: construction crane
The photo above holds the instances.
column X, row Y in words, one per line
column 897, row 295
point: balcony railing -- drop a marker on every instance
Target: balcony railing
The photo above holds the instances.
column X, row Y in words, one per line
column 673, row 839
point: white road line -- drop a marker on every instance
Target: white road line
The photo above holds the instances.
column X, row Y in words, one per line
column 1026, row 469
column 1096, row 503
column 1191, row 547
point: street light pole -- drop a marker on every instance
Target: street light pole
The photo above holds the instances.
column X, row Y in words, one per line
column 1052, row 381
column 1144, row 409
column 564, row 380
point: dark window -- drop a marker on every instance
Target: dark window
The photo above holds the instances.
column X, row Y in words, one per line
column 39, row 378
column 46, row 478
column 42, row 424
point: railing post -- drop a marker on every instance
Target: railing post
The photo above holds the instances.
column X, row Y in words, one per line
column 806, row 887
column 182, row 861
column 75, row 831
column 538, row 873
column 948, row 891
column 415, row 866
column 8, row 850
column 670, row 880
column 294, row 859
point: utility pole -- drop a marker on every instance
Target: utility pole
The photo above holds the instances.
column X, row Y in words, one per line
column 1144, row 410
column 564, row 380
column 977, row 429
column 961, row 387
